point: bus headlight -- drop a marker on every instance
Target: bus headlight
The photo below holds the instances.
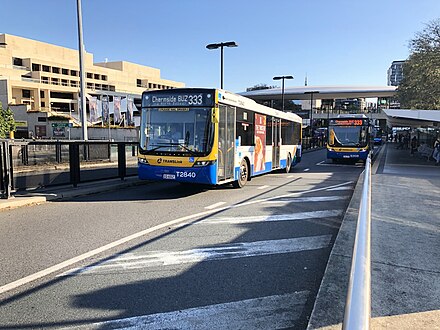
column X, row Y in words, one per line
column 204, row 163
column 143, row 161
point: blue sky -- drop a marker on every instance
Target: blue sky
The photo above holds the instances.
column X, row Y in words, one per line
column 334, row 42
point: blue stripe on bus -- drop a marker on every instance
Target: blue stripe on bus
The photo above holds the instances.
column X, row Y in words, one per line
column 347, row 155
column 203, row 174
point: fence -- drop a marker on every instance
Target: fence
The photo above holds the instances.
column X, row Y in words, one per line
column 34, row 164
column 358, row 304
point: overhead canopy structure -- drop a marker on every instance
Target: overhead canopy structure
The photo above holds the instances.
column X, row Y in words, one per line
column 412, row 118
column 321, row 92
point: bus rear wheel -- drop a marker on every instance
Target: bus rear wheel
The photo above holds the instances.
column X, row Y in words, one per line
column 288, row 163
column 243, row 175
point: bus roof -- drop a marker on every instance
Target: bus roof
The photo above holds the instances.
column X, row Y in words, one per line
column 233, row 99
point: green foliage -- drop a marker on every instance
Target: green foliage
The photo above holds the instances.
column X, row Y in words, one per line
column 420, row 87
column 7, row 122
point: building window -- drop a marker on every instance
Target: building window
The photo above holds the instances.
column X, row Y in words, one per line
column 42, row 119
column 45, row 80
column 17, row 61
column 46, row 68
column 42, row 94
column 40, row 130
column 111, row 88
column 36, row 67
column 55, row 69
column 73, row 83
column 64, row 82
column 150, row 85
column 98, row 86
column 64, row 71
column 55, row 81
column 73, row 73
column 96, row 76
column 90, row 85
column 26, row 93
column 89, row 75
column 43, row 104
column 138, row 82
column 103, row 77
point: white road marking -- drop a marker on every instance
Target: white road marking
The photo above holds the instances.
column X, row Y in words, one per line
column 70, row 262
column 226, row 251
column 213, row 206
column 290, row 176
column 272, row 312
column 324, row 163
column 307, row 169
column 262, row 187
column 307, row 199
column 279, row 217
column 340, row 188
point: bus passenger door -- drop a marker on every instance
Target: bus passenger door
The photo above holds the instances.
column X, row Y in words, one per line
column 226, row 142
column 276, row 142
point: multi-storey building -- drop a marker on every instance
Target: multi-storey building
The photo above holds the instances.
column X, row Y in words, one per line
column 395, row 73
column 45, row 77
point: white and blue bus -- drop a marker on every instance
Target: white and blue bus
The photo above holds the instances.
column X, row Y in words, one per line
column 211, row 136
column 349, row 137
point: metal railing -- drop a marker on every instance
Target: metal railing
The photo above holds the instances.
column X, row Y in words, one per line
column 358, row 305
column 28, row 164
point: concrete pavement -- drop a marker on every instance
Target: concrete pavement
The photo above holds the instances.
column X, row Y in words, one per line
column 405, row 248
column 38, row 196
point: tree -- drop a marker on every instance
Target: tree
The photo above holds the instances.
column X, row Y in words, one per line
column 420, row 87
column 7, row 122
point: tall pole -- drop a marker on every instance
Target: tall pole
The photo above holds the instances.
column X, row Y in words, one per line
column 311, row 114
column 221, row 45
column 282, row 94
column 82, row 93
column 221, row 66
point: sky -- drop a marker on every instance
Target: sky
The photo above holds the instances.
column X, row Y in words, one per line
column 333, row 42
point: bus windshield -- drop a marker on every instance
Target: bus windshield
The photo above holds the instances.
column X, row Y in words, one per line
column 176, row 130
column 348, row 136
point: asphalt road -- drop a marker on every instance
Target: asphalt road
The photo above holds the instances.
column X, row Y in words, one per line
column 168, row 255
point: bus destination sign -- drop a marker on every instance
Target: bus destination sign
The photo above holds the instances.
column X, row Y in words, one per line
column 348, row 122
column 178, row 100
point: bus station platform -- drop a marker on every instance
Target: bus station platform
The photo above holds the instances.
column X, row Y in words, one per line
column 405, row 247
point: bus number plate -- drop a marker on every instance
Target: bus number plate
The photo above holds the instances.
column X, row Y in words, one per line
column 169, row 176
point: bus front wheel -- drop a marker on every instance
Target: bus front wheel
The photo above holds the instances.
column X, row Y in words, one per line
column 243, row 175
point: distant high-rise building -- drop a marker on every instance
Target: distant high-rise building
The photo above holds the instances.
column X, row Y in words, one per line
column 395, row 73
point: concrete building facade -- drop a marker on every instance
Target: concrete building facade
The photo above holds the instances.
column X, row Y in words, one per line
column 395, row 73
column 46, row 78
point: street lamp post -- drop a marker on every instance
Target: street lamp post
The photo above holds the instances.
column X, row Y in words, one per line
column 282, row 88
column 221, row 45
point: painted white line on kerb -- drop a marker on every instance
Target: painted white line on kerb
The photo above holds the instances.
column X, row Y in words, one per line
column 213, row 206
column 272, row 312
column 307, row 169
column 223, row 252
column 70, row 262
column 262, row 187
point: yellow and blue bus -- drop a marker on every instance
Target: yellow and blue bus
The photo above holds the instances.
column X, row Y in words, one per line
column 211, row 136
column 348, row 137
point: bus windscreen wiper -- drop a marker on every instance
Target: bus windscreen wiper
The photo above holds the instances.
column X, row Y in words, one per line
column 192, row 152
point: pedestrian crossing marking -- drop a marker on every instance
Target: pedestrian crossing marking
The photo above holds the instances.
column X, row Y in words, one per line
column 271, row 312
column 151, row 259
